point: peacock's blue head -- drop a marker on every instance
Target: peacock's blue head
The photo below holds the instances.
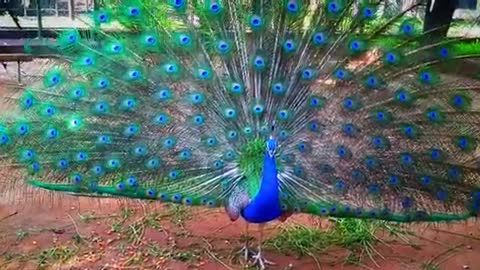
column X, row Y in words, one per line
column 271, row 146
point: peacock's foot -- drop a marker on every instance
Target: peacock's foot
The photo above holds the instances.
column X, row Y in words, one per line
column 246, row 252
column 260, row 261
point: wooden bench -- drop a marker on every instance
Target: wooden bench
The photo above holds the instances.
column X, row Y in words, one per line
column 16, row 57
column 19, row 58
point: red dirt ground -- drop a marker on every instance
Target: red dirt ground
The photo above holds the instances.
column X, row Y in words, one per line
column 209, row 232
column 198, row 239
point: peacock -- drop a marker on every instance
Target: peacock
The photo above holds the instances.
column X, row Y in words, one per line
column 266, row 108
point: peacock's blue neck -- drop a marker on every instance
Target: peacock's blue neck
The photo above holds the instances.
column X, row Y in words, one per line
column 269, row 182
column 265, row 206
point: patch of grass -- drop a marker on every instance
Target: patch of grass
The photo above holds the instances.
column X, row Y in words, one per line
column 171, row 252
column 55, row 254
column 356, row 235
column 153, row 222
column 126, row 213
column 182, row 233
column 178, row 213
column 353, row 258
column 186, row 255
column 298, row 239
column 135, row 232
column 430, row 266
column 87, row 217
column 116, row 227
column 21, row 234
column 154, row 250
column 121, row 248
column 77, row 239
column 434, row 263
column 161, row 253
column 45, row 258
column 181, row 214
column 9, row 257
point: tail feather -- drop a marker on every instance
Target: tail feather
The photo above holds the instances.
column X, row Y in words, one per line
column 178, row 108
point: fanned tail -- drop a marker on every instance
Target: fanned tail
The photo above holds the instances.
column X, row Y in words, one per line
column 394, row 137
column 179, row 111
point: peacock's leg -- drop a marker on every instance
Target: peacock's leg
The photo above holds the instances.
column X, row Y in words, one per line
column 258, row 258
column 245, row 250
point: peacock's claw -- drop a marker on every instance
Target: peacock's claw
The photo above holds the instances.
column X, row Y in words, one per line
column 260, row 261
column 246, row 252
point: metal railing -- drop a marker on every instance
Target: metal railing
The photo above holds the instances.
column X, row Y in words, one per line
column 48, row 7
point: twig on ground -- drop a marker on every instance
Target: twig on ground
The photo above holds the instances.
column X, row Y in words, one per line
column 447, row 252
column 319, row 266
column 76, row 228
column 9, row 215
column 211, row 255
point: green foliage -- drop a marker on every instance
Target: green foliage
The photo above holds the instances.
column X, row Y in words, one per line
column 430, row 266
column 21, row 234
column 55, row 254
column 352, row 234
